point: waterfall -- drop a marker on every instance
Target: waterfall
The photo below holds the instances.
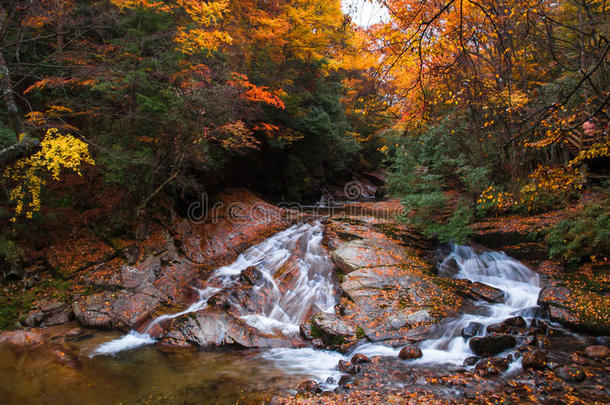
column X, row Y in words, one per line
column 520, row 285
column 282, row 313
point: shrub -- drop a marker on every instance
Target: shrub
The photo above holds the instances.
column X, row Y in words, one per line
column 583, row 237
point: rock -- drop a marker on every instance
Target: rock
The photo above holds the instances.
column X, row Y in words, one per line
column 48, row 313
column 317, row 343
column 362, row 253
column 122, row 310
column 507, row 325
column 539, row 327
column 602, row 340
column 482, row 292
column 360, row 358
column 516, row 321
column 21, row 337
column 570, row 374
column 543, row 342
column 252, row 275
column 410, row 352
column 214, row 327
column 471, row 361
column 491, row 366
column 500, row 327
column 577, row 359
column 598, row 352
column 333, row 330
column 563, row 302
column 535, row 359
column 473, row 329
column 309, row 386
column 491, row 344
column 305, row 331
column 347, row 367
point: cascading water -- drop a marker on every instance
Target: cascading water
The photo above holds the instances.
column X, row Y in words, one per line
column 521, row 287
column 282, row 313
column 284, row 310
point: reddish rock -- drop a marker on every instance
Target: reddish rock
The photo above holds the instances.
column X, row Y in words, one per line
column 48, row 313
column 410, row 352
column 360, row 358
column 598, row 352
column 309, row 386
column 21, row 337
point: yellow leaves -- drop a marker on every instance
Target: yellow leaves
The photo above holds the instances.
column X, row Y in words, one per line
column 597, row 150
column 58, row 152
column 140, row 4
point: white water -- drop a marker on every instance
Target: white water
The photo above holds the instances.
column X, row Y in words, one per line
column 520, row 285
column 314, row 287
column 282, row 313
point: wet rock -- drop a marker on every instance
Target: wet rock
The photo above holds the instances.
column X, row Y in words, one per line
column 317, row 343
column 491, row 344
column 538, row 326
column 347, row 367
column 122, row 310
column 577, row 359
column 252, row 275
column 332, row 329
column 309, row 386
column 544, row 342
column 473, row 329
column 516, row 321
column 360, row 358
column 215, row 327
column 500, row 327
column 570, row 374
column 598, row 352
column 67, row 358
column 602, row 340
column 471, row 361
column 21, row 337
column 410, row 352
column 563, row 303
column 305, row 331
column 48, row 313
column 535, row 359
column 507, row 325
column 491, row 366
column 482, row 292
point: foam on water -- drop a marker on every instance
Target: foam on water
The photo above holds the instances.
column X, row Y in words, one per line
column 130, row 341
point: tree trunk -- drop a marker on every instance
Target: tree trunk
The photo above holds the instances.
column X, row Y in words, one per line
column 26, row 145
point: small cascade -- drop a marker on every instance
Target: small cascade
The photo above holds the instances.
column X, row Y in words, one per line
column 283, row 310
column 521, row 287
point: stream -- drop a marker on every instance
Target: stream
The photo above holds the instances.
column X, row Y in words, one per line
column 129, row 368
column 316, row 288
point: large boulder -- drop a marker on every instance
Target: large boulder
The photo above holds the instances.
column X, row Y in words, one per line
column 570, row 305
column 390, row 293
